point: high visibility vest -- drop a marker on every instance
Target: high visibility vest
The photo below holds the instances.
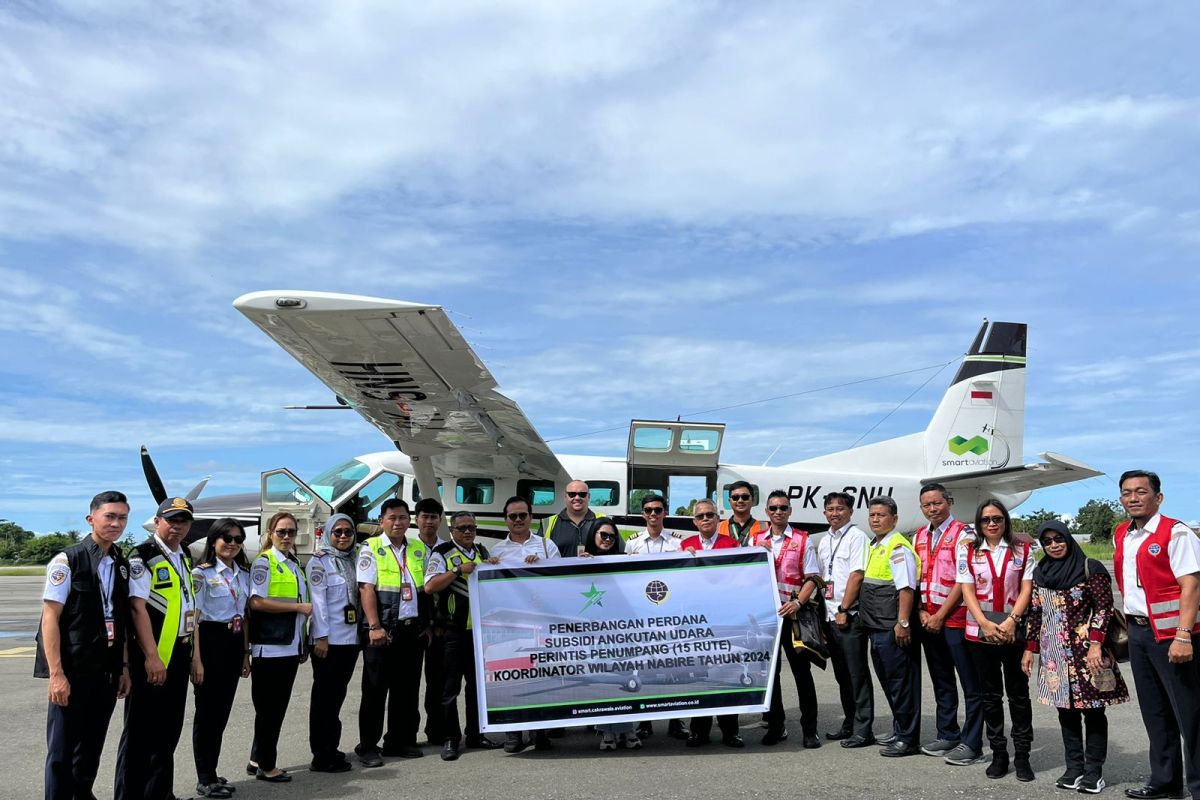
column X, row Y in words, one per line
column 879, row 605
column 751, row 533
column 789, row 560
column 938, row 571
column 552, row 520
column 284, row 587
column 996, row 590
column 389, row 577
column 165, row 602
column 456, row 598
column 1155, row 575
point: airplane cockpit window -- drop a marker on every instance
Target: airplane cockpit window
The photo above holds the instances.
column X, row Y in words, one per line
column 603, row 493
column 417, row 491
column 476, row 491
column 336, row 481
column 538, row 493
column 362, row 505
column 725, row 495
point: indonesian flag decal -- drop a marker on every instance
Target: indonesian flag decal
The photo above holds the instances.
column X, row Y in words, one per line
column 982, row 393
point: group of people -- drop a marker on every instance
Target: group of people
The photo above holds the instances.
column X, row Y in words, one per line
column 973, row 599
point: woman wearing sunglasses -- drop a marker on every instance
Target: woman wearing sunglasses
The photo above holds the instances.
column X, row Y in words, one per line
column 279, row 606
column 1068, row 623
column 334, row 633
column 605, row 540
column 996, row 576
column 220, row 646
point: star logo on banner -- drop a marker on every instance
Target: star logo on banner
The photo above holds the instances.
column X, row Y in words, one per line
column 594, row 597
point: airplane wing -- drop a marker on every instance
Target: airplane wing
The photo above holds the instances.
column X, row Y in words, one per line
column 408, row 371
column 1056, row 469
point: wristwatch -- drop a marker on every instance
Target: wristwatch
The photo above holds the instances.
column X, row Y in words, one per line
column 841, row 610
column 458, row 571
column 903, row 623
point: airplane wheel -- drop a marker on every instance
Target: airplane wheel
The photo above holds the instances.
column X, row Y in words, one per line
column 747, row 680
column 632, row 685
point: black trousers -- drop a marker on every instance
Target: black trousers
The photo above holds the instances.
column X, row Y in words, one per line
column 153, row 724
column 391, row 684
column 946, row 654
column 221, row 653
column 75, row 736
column 1000, row 673
column 331, row 677
column 702, row 726
column 435, row 683
column 459, row 665
column 1169, row 696
column 899, row 672
column 1080, row 757
column 801, row 669
column 848, row 654
column 271, row 681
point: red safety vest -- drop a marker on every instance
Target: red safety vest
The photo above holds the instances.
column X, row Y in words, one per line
column 938, row 569
column 789, row 561
column 756, row 527
column 988, row 579
column 1155, row 577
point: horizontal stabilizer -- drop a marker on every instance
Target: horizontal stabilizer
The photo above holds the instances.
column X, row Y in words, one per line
column 1054, row 470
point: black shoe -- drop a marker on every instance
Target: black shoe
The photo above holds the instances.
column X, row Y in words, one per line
column 1069, row 779
column 251, row 768
column 645, row 729
column 542, row 742
column 450, row 751
column 1024, row 770
column 899, row 749
column 678, row 729
column 837, row 736
column 482, row 743
column 329, row 766
column 216, row 789
column 369, row 758
column 733, row 741
column 402, row 751
column 774, row 737
column 858, row 741
column 811, row 742
column 282, row 777
column 999, row 766
column 515, row 743
column 886, row 739
column 696, row 740
column 231, row 787
column 1091, row 783
column 1150, row 793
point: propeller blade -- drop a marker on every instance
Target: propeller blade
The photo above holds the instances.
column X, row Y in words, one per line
column 157, row 490
column 198, row 488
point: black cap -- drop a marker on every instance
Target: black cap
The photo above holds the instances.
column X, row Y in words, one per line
column 1056, row 525
column 173, row 507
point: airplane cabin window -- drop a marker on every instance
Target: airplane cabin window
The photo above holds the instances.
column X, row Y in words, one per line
column 416, row 494
column 699, row 441
column 538, row 493
column 476, row 491
column 656, row 440
column 725, row 494
column 603, row 493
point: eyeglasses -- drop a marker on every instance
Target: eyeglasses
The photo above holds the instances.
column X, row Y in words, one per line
column 705, row 515
column 465, row 529
column 1049, row 540
column 341, row 532
column 577, row 494
column 656, row 510
column 229, row 538
column 518, row 516
column 991, row 520
column 773, row 509
column 741, row 497
column 285, row 533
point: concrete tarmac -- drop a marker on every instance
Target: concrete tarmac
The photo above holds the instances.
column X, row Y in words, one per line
column 664, row 768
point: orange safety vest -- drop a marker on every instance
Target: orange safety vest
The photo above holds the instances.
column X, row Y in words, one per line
column 1155, row 576
column 938, row 569
column 752, row 532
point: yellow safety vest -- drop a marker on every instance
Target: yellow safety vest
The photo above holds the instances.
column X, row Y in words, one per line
column 878, row 606
column 166, row 597
column 389, row 578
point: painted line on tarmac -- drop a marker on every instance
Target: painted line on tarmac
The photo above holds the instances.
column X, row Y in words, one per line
column 18, row 652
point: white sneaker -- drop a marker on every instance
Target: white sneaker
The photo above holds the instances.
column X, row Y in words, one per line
column 1090, row 785
column 631, row 742
column 608, row 743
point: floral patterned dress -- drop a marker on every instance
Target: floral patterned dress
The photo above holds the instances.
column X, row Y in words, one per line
column 1061, row 626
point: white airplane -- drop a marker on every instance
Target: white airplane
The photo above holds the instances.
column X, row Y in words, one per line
column 408, row 371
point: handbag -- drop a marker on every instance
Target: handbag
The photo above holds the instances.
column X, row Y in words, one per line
column 998, row 617
column 1116, row 638
column 808, row 627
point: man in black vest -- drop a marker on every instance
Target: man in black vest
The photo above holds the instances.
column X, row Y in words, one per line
column 81, row 648
column 446, row 577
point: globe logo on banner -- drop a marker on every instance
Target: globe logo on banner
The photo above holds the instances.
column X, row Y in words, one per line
column 656, row 592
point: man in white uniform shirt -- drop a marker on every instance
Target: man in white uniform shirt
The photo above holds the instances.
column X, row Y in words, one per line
column 654, row 539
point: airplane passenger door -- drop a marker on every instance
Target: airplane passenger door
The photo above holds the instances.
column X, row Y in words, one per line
column 283, row 491
column 686, row 446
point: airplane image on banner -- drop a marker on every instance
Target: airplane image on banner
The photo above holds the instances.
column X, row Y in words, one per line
column 406, row 369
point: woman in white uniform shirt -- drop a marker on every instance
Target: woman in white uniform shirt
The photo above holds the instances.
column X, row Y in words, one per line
column 280, row 606
column 220, row 646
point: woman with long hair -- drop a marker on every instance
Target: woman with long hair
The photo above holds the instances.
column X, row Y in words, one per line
column 220, row 646
column 996, row 575
column 1068, row 625
column 279, row 607
column 605, row 540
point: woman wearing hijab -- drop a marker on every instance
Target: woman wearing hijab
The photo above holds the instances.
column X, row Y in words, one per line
column 1068, row 623
column 605, row 540
column 220, row 647
column 334, row 634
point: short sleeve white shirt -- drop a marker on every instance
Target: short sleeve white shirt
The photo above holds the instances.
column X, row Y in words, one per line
column 645, row 543
column 513, row 553
column 840, row 553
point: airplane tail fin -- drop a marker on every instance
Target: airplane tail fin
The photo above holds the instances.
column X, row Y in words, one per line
column 980, row 423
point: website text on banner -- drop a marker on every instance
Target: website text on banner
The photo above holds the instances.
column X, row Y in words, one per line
column 578, row 641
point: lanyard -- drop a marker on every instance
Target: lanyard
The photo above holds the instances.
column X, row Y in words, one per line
column 836, row 547
column 399, row 561
column 998, row 597
column 235, row 592
column 106, row 593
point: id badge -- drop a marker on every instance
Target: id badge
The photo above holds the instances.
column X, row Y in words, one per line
column 406, row 592
column 829, row 591
column 351, row 615
column 235, row 624
column 110, row 630
column 189, row 622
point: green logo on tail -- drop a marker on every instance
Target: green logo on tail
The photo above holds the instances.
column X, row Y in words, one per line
column 960, row 446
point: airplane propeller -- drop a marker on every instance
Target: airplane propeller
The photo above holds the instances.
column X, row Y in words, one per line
column 157, row 490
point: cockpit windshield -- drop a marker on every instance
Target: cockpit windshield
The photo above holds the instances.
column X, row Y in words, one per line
column 336, row 481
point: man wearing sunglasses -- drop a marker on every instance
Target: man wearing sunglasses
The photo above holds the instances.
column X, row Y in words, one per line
column 521, row 547
column 654, row 539
column 1157, row 565
column 569, row 529
column 450, row 566
column 743, row 527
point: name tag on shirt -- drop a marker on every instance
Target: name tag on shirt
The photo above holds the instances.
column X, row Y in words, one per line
column 189, row 622
column 406, row 592
column 110, row 630
column 829, row 591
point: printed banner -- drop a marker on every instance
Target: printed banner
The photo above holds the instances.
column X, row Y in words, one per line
column 624, row 639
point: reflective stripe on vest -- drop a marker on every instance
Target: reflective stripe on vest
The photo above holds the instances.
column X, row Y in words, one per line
column 879, row 561
column 284, row 585
column 983, row 567
column 459, row 586
column 939, row 565
column 789, row 561
column 389, row 577
column 167, row 598
column 755, row 529
column 1157, row 578
column 552, row 520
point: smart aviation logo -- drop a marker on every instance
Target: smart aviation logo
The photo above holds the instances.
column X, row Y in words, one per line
column 960, row 446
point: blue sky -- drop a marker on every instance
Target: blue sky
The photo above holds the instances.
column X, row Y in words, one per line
column 629, row 209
